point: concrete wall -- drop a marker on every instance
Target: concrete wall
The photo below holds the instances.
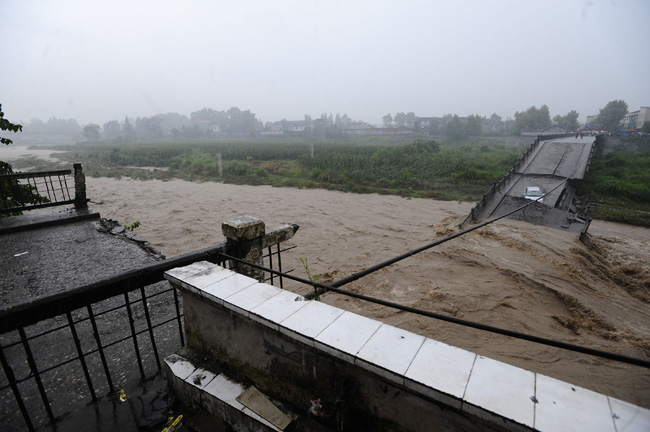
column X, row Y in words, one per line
column 369, row 375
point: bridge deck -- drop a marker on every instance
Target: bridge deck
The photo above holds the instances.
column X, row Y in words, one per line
column 547, row 167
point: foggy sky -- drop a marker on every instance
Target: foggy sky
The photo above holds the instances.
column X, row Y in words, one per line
column 101, row 60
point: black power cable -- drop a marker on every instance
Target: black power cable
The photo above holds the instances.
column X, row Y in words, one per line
column 355, row 276
column 492, row 329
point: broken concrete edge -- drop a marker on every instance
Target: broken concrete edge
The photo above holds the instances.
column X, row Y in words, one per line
column 242, row 406
column 114, row 228
column 279, row 234
column 28, row 222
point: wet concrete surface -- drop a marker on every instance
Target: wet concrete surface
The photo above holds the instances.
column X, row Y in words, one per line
column 44, row 261
column 49, row 259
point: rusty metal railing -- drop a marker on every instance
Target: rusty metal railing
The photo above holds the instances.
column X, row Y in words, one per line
column 29, row 191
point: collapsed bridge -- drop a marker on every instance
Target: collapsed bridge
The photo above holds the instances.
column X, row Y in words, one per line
column 554, row 164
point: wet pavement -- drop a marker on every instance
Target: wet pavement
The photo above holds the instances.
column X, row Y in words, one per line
column 51, row 252
column 51, row 259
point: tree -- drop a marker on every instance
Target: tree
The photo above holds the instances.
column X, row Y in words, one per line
column 571, row 120
column 646, row 127
column 207, row 114
column 455, row 129
column 92, row 132
column 152, row 126
column 544, row 117
column 62, row 126
column 15, row 194
column 493, row 124
column 410, row 119
column 128, row 130
column 172, row 120
column 533, row 119
column 610, row 117
column 568, row 121
column 474, row 125
column 309, row 129
column 240, row 121
column 112, row 129
column 6, row 125
column 399, row 119
column 388, row 120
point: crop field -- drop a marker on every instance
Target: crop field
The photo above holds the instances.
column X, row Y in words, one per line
column 618, row 182
column 419, row 168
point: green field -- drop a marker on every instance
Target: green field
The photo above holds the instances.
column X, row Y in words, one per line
column 420, row 168
column 618, row 183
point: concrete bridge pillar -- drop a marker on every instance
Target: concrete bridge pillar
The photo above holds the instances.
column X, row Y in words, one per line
column 246, row 237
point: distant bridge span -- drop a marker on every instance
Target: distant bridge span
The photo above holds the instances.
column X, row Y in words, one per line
column 553, row 164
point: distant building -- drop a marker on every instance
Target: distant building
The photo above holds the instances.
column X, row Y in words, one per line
column 371, row 130
column 434, row 125
column 591, row 123
column 424, row 124
column 290, row 126
column 208, row 126
column 357, row 129
column 635, row 119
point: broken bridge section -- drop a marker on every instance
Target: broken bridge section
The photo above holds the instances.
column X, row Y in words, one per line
column 556, row 165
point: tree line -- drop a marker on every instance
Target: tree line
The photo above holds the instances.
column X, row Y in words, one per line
column 208, row 121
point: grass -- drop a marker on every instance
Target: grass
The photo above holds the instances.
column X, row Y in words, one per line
column 462, row 171
column 619, row 186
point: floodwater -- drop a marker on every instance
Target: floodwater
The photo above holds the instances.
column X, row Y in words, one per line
column 510, row 274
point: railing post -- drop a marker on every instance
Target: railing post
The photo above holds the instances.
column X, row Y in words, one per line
column 80, row 201
column 244, row 236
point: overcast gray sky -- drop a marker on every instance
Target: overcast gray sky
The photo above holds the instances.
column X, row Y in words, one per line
column 101, row 60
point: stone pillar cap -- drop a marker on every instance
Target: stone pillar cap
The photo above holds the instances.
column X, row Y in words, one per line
column 243, row 228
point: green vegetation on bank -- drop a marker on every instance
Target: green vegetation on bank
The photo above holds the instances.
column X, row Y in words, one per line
column 462, row 171
column 618, row 184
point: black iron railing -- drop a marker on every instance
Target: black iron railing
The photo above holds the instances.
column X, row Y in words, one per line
column 63, row 351
column 272, row 277
column 30, row 191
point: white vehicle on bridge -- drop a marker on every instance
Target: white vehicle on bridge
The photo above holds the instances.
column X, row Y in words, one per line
column 534, row 193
